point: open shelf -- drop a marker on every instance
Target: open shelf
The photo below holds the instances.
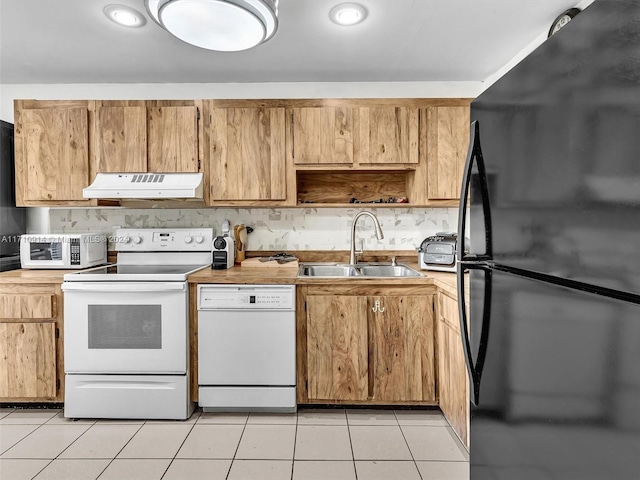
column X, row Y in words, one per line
column 333, row 188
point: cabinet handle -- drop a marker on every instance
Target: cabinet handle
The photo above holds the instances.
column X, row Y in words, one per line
column 377, row 307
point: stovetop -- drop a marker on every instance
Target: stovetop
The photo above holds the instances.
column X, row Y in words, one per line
column 153, row 255
column 134, row 273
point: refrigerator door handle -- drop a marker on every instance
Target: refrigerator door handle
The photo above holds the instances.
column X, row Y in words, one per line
column 474, row 369
column 474, row 155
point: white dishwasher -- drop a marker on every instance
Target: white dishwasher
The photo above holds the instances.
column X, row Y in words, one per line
column 247, row 348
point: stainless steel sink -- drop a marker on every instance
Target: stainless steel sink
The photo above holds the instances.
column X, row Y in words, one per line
column 307, row 270
column 341, row 270
column 388, row 271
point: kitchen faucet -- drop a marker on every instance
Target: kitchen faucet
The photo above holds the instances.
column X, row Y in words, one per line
column 379, row 235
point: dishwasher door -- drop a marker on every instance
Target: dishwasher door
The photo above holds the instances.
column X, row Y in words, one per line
column 246, row 335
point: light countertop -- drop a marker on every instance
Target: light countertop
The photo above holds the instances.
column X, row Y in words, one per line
column 247, row 275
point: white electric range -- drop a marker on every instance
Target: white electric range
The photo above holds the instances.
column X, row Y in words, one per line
column 126, row 329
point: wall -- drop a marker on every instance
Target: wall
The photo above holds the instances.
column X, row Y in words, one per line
column 274, row 229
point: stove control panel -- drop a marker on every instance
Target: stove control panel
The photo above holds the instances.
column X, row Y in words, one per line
column 246, row 297
column 163, row 239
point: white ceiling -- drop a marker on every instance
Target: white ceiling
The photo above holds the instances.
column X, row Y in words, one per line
column 71, row 41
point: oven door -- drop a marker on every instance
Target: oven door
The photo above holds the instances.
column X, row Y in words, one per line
column 125, row 327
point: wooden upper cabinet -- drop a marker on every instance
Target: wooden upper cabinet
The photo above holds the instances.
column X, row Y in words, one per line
column 447, row 146
column 337, row 347
column 322, row 135
column 52, row 154
column 121, row 139
column 145, row 138
column 402, row 354
column 172, row 139
column 388, row 135
column 247, row 154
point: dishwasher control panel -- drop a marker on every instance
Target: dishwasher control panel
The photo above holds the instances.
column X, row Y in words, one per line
column 246, row 297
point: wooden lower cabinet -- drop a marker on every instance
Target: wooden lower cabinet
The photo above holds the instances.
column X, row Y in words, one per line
column 366, row 345
column 31, row 352
column 337, row 348
column 401, row 361
column 28, row 351
column 453, row 383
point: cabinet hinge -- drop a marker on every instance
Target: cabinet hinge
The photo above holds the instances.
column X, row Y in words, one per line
column 199, row 164
column 197, row 113
column 57, row 384
column 305, row 306
column 57, row 332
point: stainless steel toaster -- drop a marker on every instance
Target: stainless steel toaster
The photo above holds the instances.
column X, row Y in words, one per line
column 438, row 252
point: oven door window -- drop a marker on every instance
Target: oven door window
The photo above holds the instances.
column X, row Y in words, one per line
column 125, row 327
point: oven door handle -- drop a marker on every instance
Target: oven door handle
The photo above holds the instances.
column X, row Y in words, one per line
column 124, row 287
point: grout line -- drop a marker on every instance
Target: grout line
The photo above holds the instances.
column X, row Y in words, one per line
column 237, row 447
column 119, row 451
column 178, row 450
column 2, row 452
column 79, row 437
column 27, row 435
column 40, row 471
column 407, row 444
column 355, row 471
column 295, row 440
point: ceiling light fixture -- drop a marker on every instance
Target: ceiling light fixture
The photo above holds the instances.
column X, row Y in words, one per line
column 347, row 14
column 223, row 25
column 125, row 16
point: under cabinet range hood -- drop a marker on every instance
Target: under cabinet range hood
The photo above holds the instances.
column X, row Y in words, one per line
column 178, row 187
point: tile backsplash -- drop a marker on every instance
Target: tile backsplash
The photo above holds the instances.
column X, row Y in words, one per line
column 274, row 229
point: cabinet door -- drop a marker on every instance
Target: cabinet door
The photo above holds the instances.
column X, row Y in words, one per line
column 121, row 139
column 452, row 369
column 402, row 360
column 56, row 153
column 28, row 351
column 337, row 347
column 322, row 135
column 388, row 135
column 447, row 145
column 173, row 139
column 246, row 154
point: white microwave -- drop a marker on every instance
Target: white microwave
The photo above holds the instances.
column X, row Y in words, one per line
column 62, row 251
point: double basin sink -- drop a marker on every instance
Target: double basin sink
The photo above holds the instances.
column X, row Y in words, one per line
column 345, row 270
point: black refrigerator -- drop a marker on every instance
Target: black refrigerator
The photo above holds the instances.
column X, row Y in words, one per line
column 12, row 218
column 550, row 301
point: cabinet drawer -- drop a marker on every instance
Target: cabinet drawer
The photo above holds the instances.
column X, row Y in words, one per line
column 27, row 306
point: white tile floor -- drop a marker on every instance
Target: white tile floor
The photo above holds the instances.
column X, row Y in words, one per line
column 314, row 444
